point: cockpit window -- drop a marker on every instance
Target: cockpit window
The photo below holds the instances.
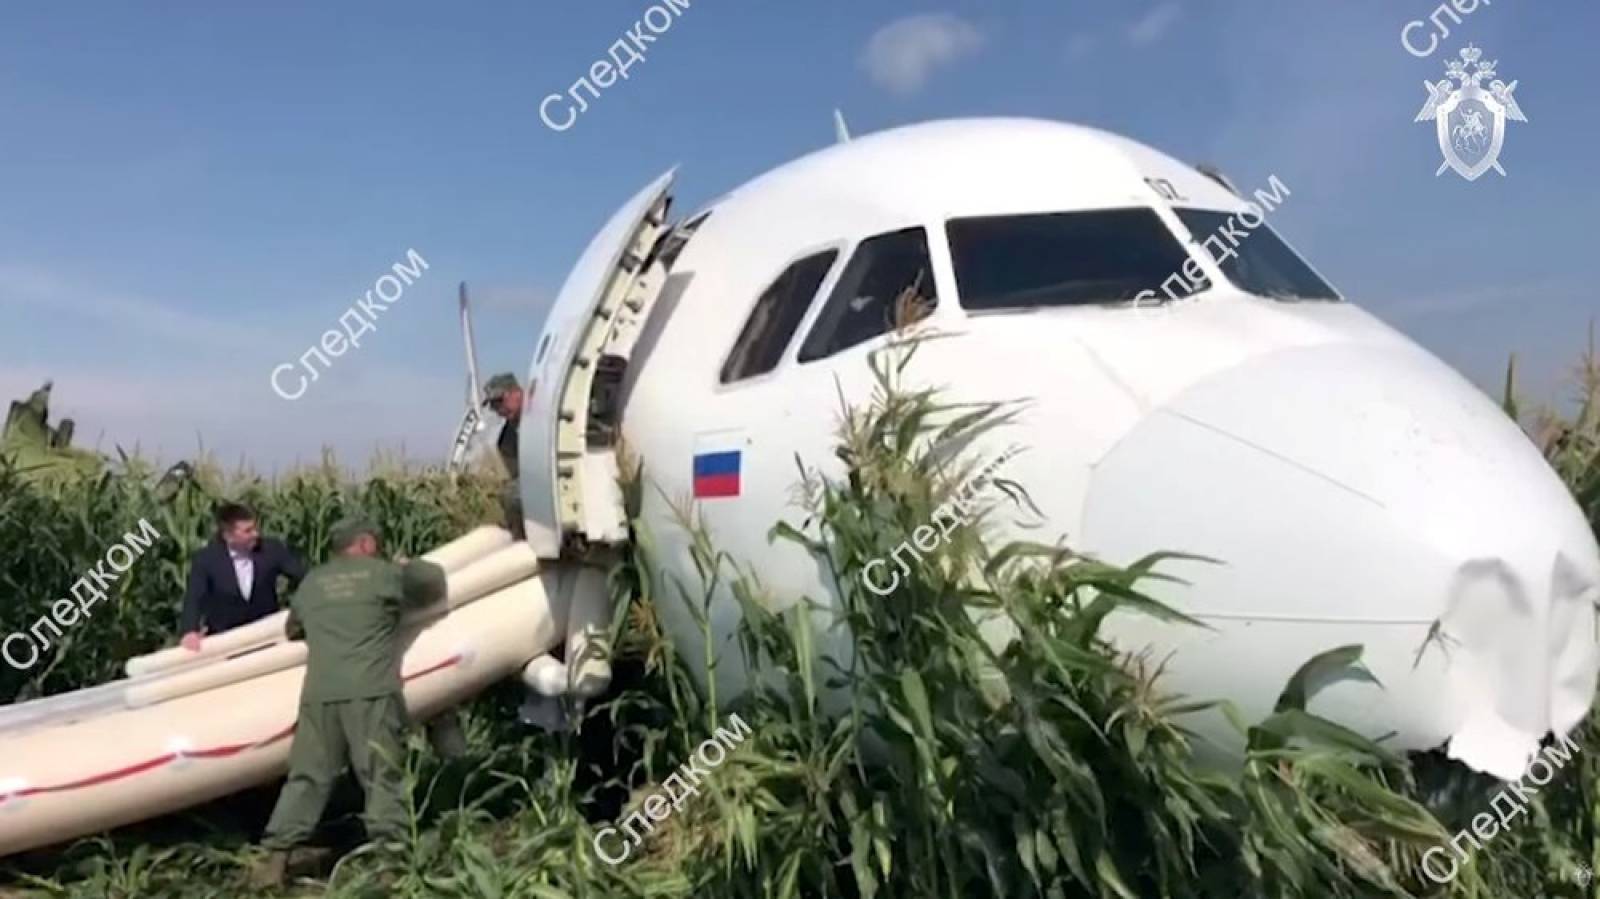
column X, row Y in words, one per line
column 887, row 284
column 1065, row 258
column 1261, row 263
column 776, row 316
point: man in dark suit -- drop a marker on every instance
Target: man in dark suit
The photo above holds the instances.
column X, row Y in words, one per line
column 233, row 580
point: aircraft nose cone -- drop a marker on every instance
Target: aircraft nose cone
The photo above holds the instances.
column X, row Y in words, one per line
column 1368, row 495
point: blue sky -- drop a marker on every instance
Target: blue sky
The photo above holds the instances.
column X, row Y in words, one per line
column 191, row 193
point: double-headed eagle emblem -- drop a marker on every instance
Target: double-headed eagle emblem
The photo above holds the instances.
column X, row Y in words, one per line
column 1470, row 118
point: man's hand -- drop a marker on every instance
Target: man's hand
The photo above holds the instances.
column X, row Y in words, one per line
column 191, row 641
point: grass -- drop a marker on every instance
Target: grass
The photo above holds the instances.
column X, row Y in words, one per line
column 932, row 762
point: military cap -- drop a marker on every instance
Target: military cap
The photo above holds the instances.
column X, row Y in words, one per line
column 499, row 386
column 346, row 530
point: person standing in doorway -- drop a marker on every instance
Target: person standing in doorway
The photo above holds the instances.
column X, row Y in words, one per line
column 503, row 395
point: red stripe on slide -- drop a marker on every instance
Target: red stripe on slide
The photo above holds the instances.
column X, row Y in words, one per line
column 105, row 777
column 453, row 660
column 215, row 752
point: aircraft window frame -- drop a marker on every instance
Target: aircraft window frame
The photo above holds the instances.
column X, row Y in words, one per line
column 830, row 316
column 1228, row 266
column 677, row 239
column 834, row 252
column 960, row 245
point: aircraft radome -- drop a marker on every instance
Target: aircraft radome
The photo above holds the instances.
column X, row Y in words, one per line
column 1356, row 489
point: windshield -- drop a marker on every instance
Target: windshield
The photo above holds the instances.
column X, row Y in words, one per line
column 1064, row 258
column 1262, row 263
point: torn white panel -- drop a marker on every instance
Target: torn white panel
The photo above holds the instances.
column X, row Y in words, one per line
column 1575, row 622
column 1486, row 743
column 1523, row 668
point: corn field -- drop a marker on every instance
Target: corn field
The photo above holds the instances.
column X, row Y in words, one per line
column 53, row 531
column 1053, row 767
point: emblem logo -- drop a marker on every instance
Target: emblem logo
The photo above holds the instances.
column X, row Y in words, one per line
column 1470, row 119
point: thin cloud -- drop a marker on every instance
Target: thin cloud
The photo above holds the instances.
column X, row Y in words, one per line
column 172, row 415
column 28, row 287
column 1080, row 46
column 1467, row 300
column 904, row 54
column 1153, row 25
column 216, row 391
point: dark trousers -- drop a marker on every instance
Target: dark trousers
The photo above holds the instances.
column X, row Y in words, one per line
column 511, row 508
column 366, row 734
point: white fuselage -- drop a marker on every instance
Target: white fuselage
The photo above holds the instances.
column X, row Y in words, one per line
column 1353, row 488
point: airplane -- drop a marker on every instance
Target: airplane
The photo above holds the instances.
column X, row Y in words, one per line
column 1355, row 489
column 1236, row 407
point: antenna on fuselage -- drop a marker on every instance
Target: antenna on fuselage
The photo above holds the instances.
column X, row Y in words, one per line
column 841, row 131
column 1215, row 174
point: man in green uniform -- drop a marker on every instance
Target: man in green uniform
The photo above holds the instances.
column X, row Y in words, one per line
column 504, row 396
column 351, row 707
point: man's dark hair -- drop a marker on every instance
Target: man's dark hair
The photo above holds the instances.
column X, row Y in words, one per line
column 230, row 514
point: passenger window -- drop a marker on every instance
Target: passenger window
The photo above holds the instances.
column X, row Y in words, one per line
column 888, row 284
column 775, row 318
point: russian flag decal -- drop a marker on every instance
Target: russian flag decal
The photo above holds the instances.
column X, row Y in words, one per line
column 717, row 474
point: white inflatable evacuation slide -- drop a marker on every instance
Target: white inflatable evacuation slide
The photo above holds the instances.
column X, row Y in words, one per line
column 184, row 728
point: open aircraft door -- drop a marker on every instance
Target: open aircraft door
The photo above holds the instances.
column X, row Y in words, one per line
column 569, row 429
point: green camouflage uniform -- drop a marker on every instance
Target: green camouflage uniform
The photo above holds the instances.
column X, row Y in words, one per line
column 351, row 707
column 506, row 445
